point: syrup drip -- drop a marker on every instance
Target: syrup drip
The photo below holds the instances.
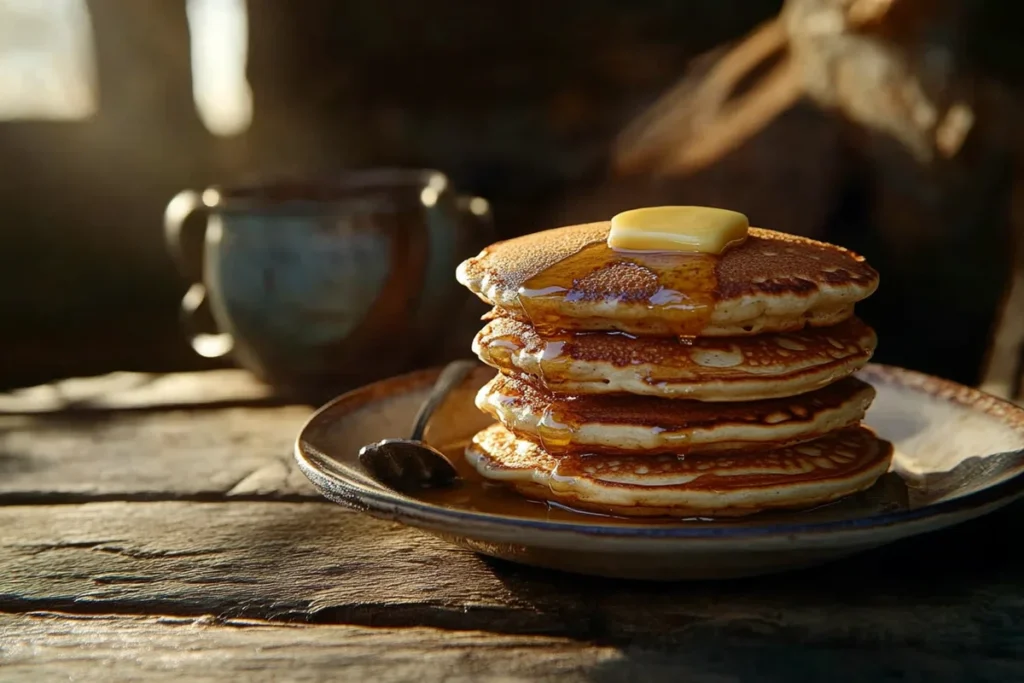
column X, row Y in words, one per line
column 678, row 289
column 556, row 429
column 480, row 495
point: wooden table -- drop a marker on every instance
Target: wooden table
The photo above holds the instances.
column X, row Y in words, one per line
column 156, row 527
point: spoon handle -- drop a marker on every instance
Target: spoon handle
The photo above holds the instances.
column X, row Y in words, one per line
column 450, row 377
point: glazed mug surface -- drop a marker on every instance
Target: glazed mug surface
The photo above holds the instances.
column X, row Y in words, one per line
column 324, row 285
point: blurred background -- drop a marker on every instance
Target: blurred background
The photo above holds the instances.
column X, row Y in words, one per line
column 885, row 126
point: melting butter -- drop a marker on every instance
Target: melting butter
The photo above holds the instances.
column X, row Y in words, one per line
column 693, row 229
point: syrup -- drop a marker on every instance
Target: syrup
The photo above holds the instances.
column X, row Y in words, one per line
column 677, row 289
column 556, row 430
column 476, row 494
column 480, row 495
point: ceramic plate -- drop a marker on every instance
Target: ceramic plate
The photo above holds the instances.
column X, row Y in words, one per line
column 959, row 454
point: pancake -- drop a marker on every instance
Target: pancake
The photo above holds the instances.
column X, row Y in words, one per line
column 794, row 477
column 642, row 424
column 569, row 279
column 704, row 369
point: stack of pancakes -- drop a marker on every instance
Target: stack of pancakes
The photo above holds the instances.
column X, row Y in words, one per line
column 674, row 384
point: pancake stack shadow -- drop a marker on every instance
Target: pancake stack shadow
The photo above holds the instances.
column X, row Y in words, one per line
column 680, row 385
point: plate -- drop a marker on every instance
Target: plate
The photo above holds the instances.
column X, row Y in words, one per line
column 959, row 454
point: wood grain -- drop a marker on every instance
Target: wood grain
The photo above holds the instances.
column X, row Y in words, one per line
column 167, row 648
column 138, row 390
column 48, row 646
column 158, row 576
column 957, row 591
column 217, row 435
column 163, row 455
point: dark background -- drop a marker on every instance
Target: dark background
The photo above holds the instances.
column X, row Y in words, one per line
column 518, row 102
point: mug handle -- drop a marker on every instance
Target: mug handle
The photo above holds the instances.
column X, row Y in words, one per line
column 204, row 337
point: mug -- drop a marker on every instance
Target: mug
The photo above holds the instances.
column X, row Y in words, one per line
column 318, row 286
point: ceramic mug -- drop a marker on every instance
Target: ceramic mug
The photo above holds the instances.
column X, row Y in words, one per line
column 322, row 285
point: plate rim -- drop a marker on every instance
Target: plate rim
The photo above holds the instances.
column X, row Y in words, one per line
column 394, row 505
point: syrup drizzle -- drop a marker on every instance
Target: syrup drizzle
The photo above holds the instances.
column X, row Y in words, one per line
column 556, row 429
column 677, row 289
column 481, row 495
column 680, row 288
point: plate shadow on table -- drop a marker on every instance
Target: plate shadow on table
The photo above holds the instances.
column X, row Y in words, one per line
column 945, row 570
column 709, row 661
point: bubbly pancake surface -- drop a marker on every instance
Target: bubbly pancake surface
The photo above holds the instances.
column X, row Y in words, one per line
column 640, row 424
column 568, row 278
column 801, row 476
column 703, row 368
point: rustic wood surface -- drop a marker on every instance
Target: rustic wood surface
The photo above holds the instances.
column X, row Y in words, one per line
column 139, row 391
column 142, row 542
column 152, row 455
column 302, row 562
column 47, row 646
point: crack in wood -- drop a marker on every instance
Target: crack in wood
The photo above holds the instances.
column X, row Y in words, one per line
column 136, row 553
column 103, row 579
column 36, row 548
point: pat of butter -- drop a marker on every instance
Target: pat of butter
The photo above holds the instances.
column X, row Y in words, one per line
column 694, row 229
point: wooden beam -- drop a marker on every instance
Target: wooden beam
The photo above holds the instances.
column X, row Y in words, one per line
column 49, row 646
column 957, row 591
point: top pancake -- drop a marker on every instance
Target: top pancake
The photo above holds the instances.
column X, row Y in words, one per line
column 568, row 278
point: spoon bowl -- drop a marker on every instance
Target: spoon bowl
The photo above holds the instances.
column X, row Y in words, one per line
column 410, row 465
column 407, row 466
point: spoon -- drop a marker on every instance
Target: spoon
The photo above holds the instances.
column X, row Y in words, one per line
column 409, row 465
